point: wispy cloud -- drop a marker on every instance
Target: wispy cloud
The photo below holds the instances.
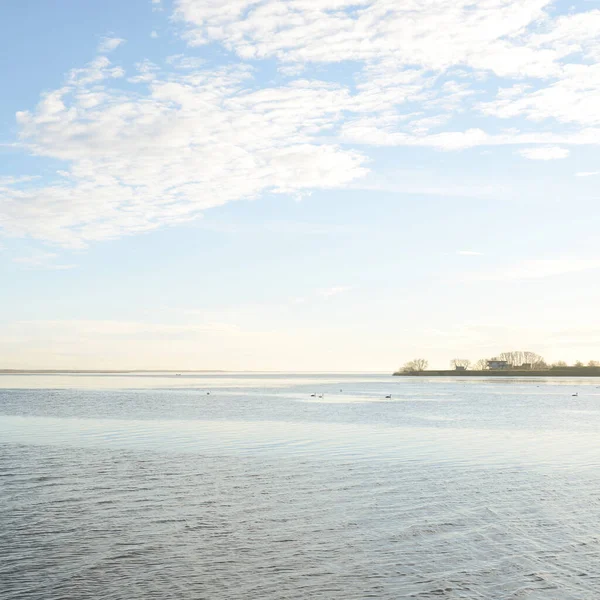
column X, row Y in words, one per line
column 407, row 46
column 191, row 143
column 544, row 153
column 278, row 227
column 334, row 291
column 189, row 136
column 12, row 181
column 587, row 174
column 468, row 253
column 42, row 260
column 537, row 269
column 108, row 44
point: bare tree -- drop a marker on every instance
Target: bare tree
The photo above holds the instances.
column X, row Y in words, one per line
column 513, row 358
column 415, row 366
column 516, row 358
column 559, row 364
column 465, row 363
column 533, row 359
column 593, row 363
column 421, row 364
column 578, row 364
column 481, row 365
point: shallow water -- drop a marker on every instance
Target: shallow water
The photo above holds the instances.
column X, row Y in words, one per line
column 252, row 486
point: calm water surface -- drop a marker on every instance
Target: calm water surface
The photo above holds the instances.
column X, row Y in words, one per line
column 226, row 486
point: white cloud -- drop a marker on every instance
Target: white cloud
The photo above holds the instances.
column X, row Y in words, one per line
column 108, row 44
column 468, row 253
column 405, row 47
column 199, row 137
column 147, row 72
column 182, row 62
column 573, row 98
column 193, row 141
column 544, row 153
column 98, row 70
column 509, row 39
column 436, row 34
column 587, row 173
column 378, row 132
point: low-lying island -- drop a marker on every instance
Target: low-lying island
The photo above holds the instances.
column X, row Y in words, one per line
column 554, row 372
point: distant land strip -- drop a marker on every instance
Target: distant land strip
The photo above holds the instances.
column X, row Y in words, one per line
column 100, row 371
column 566, row 372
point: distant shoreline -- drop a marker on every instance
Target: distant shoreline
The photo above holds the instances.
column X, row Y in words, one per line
column 99, row 371
column 568, row 372
column 175, row 371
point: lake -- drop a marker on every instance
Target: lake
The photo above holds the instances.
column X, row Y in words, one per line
column 273, row 486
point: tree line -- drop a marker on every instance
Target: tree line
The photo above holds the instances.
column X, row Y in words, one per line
column 516, row 359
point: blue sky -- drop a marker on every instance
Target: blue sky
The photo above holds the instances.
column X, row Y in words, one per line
column 323, row 185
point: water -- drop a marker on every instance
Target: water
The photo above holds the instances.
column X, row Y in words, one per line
column 248, row 486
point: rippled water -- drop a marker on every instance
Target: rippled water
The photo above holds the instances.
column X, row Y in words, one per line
column 253, row 486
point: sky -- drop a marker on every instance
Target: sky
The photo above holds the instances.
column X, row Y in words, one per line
column 308, row 185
